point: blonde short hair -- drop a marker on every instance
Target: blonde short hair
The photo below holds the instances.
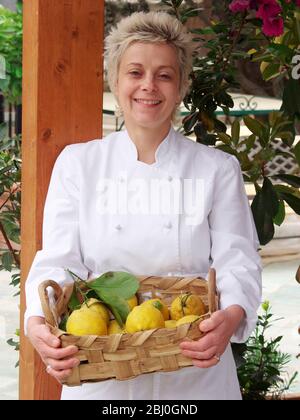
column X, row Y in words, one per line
column 150, row 27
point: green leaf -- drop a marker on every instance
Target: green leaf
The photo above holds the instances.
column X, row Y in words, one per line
column 273, row 116
column 254, row 126
column 291, row 98
column 117, row 283
column 287, row 155
column 281, row 50
column 190, row 121
column 263, row 220
column 292, row 201
column 191, row 13
column 292, row 180
column 209, row 140
column 235, row 131
column 74, row 302
column 298, row 275
column 13, row 343
column 225, row 138
column 7, row 260
column 245, row 162
column 271, row 201
column 271, row 71
column 284, row 189
column 248, row 142
column 204, row 31
column 220, row 127
column 297, row 152
column 227, row 149
column 63, row 323
column 280, row 216
column 118, row 306
column 286, row 136
column 177, row 3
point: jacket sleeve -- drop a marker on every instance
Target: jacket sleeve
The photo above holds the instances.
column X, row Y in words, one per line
column 234, row 246
column 61, row 242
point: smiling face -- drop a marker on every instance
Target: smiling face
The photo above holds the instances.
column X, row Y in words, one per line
column 148, row 85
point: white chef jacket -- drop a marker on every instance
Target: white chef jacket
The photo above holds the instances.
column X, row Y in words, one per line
column 86, row 231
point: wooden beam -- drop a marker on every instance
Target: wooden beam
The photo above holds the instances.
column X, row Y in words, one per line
column 62, row 102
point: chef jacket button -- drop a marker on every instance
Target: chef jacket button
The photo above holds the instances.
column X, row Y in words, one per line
column 121, row 179
column 118, row 227
column 168, row 225
column 170, row 178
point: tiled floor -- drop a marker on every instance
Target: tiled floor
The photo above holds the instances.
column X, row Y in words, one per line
column 279, row 287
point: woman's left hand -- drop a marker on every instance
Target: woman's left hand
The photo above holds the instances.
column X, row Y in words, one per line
column 219, row 328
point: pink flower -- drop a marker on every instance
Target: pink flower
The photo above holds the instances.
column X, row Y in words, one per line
column 298, row 3
column 268, row 8
column 237, row 6
column 273, row 26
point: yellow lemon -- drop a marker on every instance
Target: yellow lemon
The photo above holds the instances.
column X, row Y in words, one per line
column 186, row 319
column 98, row 307
column 86, row 322
column 144, row 317
column 114, row 328
column 171, row 323
column 132, row 302
column 187, row 304
column 158, row 304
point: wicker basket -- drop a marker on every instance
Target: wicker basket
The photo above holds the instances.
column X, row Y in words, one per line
column 125, row 356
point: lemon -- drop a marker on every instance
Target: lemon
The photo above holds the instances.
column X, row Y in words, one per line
column 86, row 322
column 114, row 328
column 187, row 304
column 144, row 317
column 159, row 304
column 171, row 323
column 98, row 307
column 186, row 319
column 132, row 302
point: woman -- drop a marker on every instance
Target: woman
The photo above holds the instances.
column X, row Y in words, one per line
column 149, row 201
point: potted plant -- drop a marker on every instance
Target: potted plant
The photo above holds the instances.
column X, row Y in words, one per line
column 261, row 363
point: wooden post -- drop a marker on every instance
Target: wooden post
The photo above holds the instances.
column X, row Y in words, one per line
column 62, row 104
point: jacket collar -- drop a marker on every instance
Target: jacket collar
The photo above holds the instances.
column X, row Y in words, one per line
column 162, row 152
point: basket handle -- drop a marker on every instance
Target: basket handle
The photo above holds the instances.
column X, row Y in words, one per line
column 212, row 291
column 51, row 315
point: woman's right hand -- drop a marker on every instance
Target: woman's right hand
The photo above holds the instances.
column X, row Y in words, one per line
column 59, row 361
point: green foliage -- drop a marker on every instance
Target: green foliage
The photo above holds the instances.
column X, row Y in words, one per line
column 261, row 370
column 112, row 288
column 15, row 343
column 268, row 204
column 11, row 32
column 123, row 284
column 11, row 37
column 10, row 202
column 239, row 36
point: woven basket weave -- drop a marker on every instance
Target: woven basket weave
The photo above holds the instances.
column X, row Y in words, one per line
column 125, row 356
